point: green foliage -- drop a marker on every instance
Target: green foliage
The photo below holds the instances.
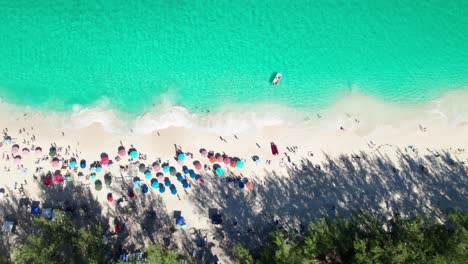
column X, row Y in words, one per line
column 160, row 255
column 364, row 238
column 61, row 242
column 242, row 255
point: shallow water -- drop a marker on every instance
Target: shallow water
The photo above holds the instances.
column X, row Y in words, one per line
column 132, row 54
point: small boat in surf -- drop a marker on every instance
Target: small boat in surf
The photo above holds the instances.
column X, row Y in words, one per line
column 277, row 78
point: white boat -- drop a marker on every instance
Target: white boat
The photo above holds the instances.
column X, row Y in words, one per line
column 277, row 78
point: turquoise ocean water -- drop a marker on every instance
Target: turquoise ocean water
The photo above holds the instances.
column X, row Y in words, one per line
column 205, row 54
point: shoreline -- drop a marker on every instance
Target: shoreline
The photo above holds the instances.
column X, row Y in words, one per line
column 386, row 133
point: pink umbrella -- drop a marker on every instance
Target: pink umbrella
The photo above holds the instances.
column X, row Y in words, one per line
column 122, row 152
column 161, row 178
column 105, row 160
column 25, row 151
column 204, row 153
column 15, row 148
column 218, row 157
column 55, row 162
column 227, row 160
column 180, row 162
column 198, row 166
column 17, row 158
column 58, row 178
column 38, row 151
column 249, row 185
column 156, row 166
column 48, row 181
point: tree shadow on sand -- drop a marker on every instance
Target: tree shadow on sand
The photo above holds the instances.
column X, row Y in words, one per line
column 340, row 185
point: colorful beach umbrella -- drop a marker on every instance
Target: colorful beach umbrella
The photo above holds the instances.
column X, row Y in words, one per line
column 142, row 168
column 52, row 151
column 154, row 184
column 156, row 166
column 185, row 170
column 185, row 184
column 38, row 151
column 192, row 174
column 72, row 163
column 249, row 185
column 227, row 160
column 180, row 177
column 203, row 152
column 121, row 151
column 144, row 188
column 240, row 164
column 131, row 194
column 212, row 159
column 58, row 178
column 174, row 191
column 25, row 151
column 98, row 169
column 93, row 176
column 219, row 157
column 160, row 177
column 161, row 188
column 15, row 148
column 55, row 162
column 241, row 184
column 181, row 156
column 47, row 181
column 173, row 171
column 110, row 198
column 137, row 184
column 83, row 164
column 148, row 175
column 219, row 171
column 17, row 158
column 198, row 166
column 104, row 159
column 166, row 168
column 167, row 182
column 233, row 163
column 180, row 220
column 133, row 153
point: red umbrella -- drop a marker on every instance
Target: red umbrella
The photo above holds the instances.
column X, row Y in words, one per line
column 198, row 166
column 227, row 160
column 218, row 157
column 58, row 178
column 212, row 159
column 249, row 185
column 131, row 194
column 233, row 163
column 110, row 198
column 48, row 181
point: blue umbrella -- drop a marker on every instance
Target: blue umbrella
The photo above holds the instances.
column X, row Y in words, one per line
column 174, row 191
column 167, row 182
column 180, row 220
column 185, row 184
column 137, row 184
column 240, row 164
column 133, row 154
column 166, row 168
column 192, row 174
column 98, row 169
column 180, row 177
column 181, row 156
column 35, row 210
column 93, row 176
column 185, row 169
column 144, row 188
column 83, row 164
column 72, row 164
column 148, row 175
column 155, row 184
column 219, row 171
column 162, row 189
column 241, row 185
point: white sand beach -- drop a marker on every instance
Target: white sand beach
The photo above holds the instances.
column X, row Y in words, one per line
column 410, row 158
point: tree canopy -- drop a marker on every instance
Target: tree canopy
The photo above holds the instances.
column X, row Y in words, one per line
column 364, row 238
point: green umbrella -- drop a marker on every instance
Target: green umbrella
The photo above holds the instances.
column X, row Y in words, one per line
column 98, row 185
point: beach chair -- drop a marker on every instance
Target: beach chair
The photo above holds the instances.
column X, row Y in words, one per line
column 8, row 226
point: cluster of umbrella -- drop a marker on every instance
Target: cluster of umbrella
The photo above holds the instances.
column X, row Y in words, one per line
column 222, row 158
column 15, row 150
column 56, row 178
